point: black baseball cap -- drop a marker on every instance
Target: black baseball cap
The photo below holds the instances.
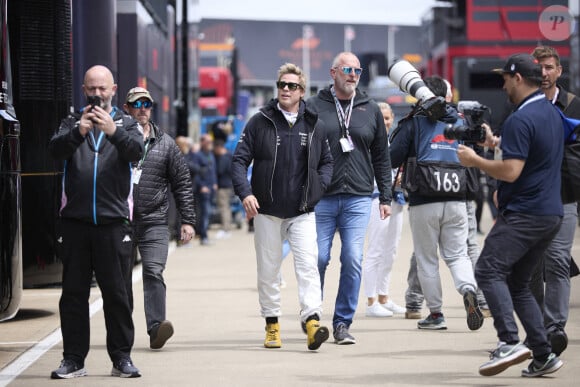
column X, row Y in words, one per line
column 524, row 64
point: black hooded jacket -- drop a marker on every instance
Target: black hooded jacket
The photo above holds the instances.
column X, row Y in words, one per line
column 355, row 171
column 292, row 165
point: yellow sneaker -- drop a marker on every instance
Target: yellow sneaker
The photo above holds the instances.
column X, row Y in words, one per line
column 316, row 334
column 273, row 336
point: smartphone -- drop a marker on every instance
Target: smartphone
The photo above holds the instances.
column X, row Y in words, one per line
column 94, row 100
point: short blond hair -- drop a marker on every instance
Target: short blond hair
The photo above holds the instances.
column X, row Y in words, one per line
column 291, row 68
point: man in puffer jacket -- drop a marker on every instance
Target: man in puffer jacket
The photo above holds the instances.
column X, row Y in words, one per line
column 292, row 168
column 161, row 166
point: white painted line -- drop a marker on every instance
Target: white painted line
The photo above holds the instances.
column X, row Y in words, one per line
column 11, row 343
column 27, row 358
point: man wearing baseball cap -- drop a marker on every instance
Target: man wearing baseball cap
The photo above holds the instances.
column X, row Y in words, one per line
column 161, row 166
column 530, row 214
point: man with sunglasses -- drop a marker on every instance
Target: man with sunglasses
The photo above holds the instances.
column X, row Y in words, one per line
column 161, row 166
column 292, row 167
column 356, row 132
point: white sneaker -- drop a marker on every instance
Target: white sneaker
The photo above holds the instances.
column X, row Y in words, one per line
column 376, row 310
column 221, row 234
column 393, row 308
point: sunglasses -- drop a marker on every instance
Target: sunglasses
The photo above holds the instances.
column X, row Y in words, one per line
column 139, row 104
column 291, row 85
column 349, row 70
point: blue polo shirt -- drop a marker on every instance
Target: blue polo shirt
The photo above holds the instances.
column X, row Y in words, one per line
column 533, row 133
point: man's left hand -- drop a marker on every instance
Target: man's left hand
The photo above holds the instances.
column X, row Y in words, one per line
column 103, row 120
column 187, row 232
column 467, row 156
column 385, row 211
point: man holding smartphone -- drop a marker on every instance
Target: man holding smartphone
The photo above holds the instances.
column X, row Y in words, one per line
column 94, row 233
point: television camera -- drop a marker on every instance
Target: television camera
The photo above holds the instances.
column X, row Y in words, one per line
column 473, row 131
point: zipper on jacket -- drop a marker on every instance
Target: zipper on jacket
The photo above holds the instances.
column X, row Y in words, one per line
column 96, row 163
column 275, row 156
column 307, row 188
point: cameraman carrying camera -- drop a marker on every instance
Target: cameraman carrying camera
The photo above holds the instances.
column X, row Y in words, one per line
column 437, row 188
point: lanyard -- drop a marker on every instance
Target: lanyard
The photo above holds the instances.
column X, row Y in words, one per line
column 147, row 142
column 343, row 117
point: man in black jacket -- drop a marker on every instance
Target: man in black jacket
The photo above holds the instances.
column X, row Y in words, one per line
column 95, row 234
column 356, row 132
column 162, row 165
column 292, row 168
column 554, row 270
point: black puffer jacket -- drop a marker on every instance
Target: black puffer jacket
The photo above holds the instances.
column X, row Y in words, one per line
column 163, row 165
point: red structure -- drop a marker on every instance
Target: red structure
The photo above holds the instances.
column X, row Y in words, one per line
column 471, row 37
column 216, row 90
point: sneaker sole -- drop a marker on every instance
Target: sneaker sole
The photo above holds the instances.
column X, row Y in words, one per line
column 117, row 373
column 507, row 362
column 474, row 315
column 164, row 332
column 269, row 345
column 440, row 327
column 378, row 315
column 345, row 341
column 76, row 374
column 550, row 370
column 413, row 315
column 320, row 336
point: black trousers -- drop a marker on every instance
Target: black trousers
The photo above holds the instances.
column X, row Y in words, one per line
column 105, row 250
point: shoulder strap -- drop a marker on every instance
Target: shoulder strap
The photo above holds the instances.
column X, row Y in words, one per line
column 569, row 99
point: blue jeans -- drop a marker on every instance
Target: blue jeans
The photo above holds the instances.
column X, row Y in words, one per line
column 203, row 202
column 349, row 214
column 512, row 250
column 152, row 241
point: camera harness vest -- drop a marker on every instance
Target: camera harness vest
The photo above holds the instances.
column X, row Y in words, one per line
column 436, row 170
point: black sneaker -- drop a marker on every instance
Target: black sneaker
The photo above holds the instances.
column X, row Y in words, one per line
column 341, row 335
column 539, row 368
column 559, row 341
column 474, row 315
column 124, row 368
column 68, row 369
column 160, row 334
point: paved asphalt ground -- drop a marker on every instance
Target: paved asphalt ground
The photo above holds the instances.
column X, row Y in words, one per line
column 218, row 341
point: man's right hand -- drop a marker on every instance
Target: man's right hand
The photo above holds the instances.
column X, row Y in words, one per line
column 251, row 206
column 86, row 125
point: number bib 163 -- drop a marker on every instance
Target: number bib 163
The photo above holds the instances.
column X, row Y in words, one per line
column 440, row 180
